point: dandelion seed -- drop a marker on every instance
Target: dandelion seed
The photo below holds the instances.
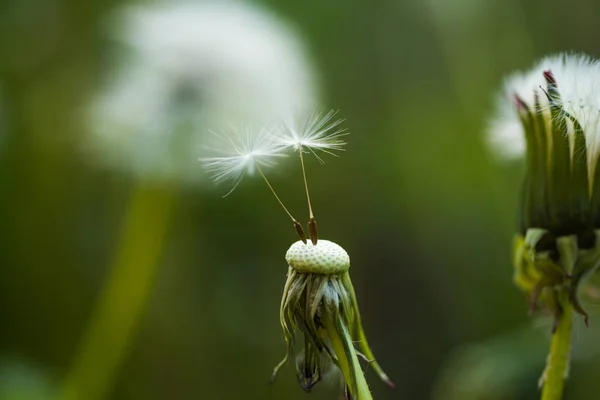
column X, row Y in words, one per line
column 242, row 152
column 318, row 132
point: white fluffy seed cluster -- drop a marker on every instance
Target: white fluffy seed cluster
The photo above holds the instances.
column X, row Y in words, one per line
column 578, row 82
column 184, row 68
column 324, row 258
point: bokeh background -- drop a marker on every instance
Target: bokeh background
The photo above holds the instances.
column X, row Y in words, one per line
column 124, row 274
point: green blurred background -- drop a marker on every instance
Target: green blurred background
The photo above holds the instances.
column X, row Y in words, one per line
column 423, row 207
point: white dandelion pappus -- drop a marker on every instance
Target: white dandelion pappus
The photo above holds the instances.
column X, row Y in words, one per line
column 241, row 152
column 578, row 81
column 185, row 67
column 317, row 132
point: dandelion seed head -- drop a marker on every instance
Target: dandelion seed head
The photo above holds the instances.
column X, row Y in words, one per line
column 578, row 82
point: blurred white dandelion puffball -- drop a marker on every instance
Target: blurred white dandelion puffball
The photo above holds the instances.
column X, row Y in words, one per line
column 578, row 81
column 188, row 68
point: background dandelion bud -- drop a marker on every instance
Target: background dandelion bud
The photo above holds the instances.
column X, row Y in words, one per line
column 555, row 113
column 187, row 68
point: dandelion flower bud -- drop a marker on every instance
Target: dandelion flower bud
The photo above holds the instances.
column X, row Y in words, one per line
column 551, row 114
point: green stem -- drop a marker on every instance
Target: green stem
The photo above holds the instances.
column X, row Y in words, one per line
column 347, row 358
column 558, row 359
column 113, row 325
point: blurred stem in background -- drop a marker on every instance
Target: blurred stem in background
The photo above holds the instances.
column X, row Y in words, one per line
column 114, row 322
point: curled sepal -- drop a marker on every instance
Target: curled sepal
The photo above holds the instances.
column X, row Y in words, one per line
column 525, row 276
column 537, row 269
column 588, row 261
column 551, row 269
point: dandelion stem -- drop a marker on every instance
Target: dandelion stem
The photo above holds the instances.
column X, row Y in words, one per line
column 108, row 337
column 558, row 359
